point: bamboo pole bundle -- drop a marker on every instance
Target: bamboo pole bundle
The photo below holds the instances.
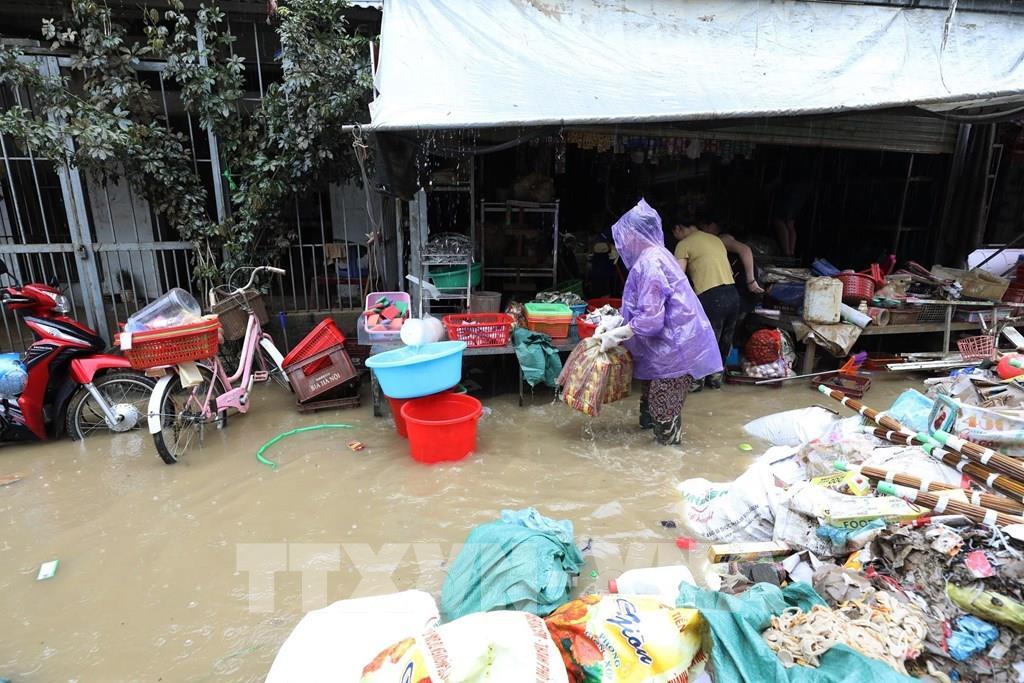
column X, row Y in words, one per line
column 944, row 504
column 985, row 500
column 997, row 462
column 978, row 473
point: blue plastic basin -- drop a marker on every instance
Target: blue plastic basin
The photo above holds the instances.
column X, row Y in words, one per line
column 415, row 371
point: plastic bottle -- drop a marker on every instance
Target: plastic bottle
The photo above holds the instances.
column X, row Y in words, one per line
column 176, row 307
column 660, row 582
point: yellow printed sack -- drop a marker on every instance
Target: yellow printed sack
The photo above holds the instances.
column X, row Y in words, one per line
column 627, row 639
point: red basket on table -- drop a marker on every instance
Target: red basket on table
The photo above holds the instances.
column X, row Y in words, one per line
column 479, row 329
column 171, row 345
column 857, row 287
column 324, row 336
column 585, row 329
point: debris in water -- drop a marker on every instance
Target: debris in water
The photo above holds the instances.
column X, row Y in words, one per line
column 356, row 445
column 7, row 479
column 47, row 570
column 745, row 447
column 668, row 524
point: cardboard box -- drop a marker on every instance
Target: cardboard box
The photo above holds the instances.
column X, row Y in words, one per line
column 730, row 552
column 858, row 512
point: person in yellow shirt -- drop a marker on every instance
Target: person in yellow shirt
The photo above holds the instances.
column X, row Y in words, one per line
column 704, row 258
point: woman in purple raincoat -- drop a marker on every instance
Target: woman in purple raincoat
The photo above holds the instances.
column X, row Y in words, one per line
column 662, row 324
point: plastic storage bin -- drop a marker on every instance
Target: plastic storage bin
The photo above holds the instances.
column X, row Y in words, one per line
column 553, row 320
column 412, row 372
column 479, row 329
column 322, row 337
column 371, row 301
column 455, row 278
column 442, row 428
column 334, row 369
column 174, row 309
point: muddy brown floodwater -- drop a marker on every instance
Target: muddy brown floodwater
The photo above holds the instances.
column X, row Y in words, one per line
column 154, row 576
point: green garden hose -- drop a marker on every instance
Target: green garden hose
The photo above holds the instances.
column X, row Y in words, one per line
column 273, row 465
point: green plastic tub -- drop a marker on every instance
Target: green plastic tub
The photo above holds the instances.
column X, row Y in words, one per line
column 455, row 278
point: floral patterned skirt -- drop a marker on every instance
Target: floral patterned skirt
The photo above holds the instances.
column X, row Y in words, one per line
column 661, row 408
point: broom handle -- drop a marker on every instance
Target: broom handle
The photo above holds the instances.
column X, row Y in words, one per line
column 985, row 500
column 978, row 473
column 941, row 504
column 1003, row 464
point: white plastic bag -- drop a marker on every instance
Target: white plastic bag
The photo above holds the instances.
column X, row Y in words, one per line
column 334, row 643
column 792, row 427
column 742, row 510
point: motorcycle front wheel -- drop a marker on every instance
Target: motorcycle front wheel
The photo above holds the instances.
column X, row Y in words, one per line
column 126, row 393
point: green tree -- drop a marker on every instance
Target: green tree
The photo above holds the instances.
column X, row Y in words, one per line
column 288, row 145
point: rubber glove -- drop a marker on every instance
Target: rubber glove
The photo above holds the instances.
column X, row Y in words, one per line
column 608, row 322
column 612, row 338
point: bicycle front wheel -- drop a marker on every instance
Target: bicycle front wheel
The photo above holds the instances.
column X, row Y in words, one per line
column 185, row 412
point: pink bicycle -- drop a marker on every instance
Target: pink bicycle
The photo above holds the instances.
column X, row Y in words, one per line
column 193, row 396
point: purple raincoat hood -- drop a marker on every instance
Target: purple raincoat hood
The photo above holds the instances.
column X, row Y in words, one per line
column 673, row 335
column 638, row 229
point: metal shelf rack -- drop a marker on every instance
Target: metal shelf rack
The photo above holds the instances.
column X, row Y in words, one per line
column 519, row 209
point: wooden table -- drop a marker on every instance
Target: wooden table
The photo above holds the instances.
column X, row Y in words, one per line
column 562, row 345
column 947, row 327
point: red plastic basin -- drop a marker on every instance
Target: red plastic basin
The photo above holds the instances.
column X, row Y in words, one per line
column 397, row 403
column 442, row 427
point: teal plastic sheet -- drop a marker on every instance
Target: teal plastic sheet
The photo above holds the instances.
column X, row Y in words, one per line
column 739, row 654
column 537, row 357
column 523, row 562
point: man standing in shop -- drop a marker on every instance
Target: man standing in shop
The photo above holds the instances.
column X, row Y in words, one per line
column 704, row 259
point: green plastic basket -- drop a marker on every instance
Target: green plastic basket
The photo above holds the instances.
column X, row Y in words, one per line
column 538, row 310
column 455, row 278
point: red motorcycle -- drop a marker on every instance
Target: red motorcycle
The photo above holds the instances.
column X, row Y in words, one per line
column 71, row 385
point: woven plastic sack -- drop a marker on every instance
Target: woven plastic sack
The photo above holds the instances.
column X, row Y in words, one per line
column 500, row 647
column 523, row 562
column 627, row 639
column 592, row 378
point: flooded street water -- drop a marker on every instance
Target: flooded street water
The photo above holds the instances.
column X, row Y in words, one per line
column 154, row 581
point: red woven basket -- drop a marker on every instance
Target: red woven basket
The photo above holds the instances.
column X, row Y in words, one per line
column 479, row 329
column 172, row 345
column 857, row 287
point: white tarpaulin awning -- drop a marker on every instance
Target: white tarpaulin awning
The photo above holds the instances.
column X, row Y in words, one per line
column 471, row 63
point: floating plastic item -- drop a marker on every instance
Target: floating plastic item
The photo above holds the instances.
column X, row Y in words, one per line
column 176, row 307
column 659, row 582
column 415, row 371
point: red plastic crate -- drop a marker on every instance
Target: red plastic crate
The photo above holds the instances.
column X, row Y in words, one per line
column 324, row 336
column 173, row 345
column 479, row 329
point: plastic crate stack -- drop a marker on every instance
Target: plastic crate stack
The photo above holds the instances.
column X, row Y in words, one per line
column 320, row 371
